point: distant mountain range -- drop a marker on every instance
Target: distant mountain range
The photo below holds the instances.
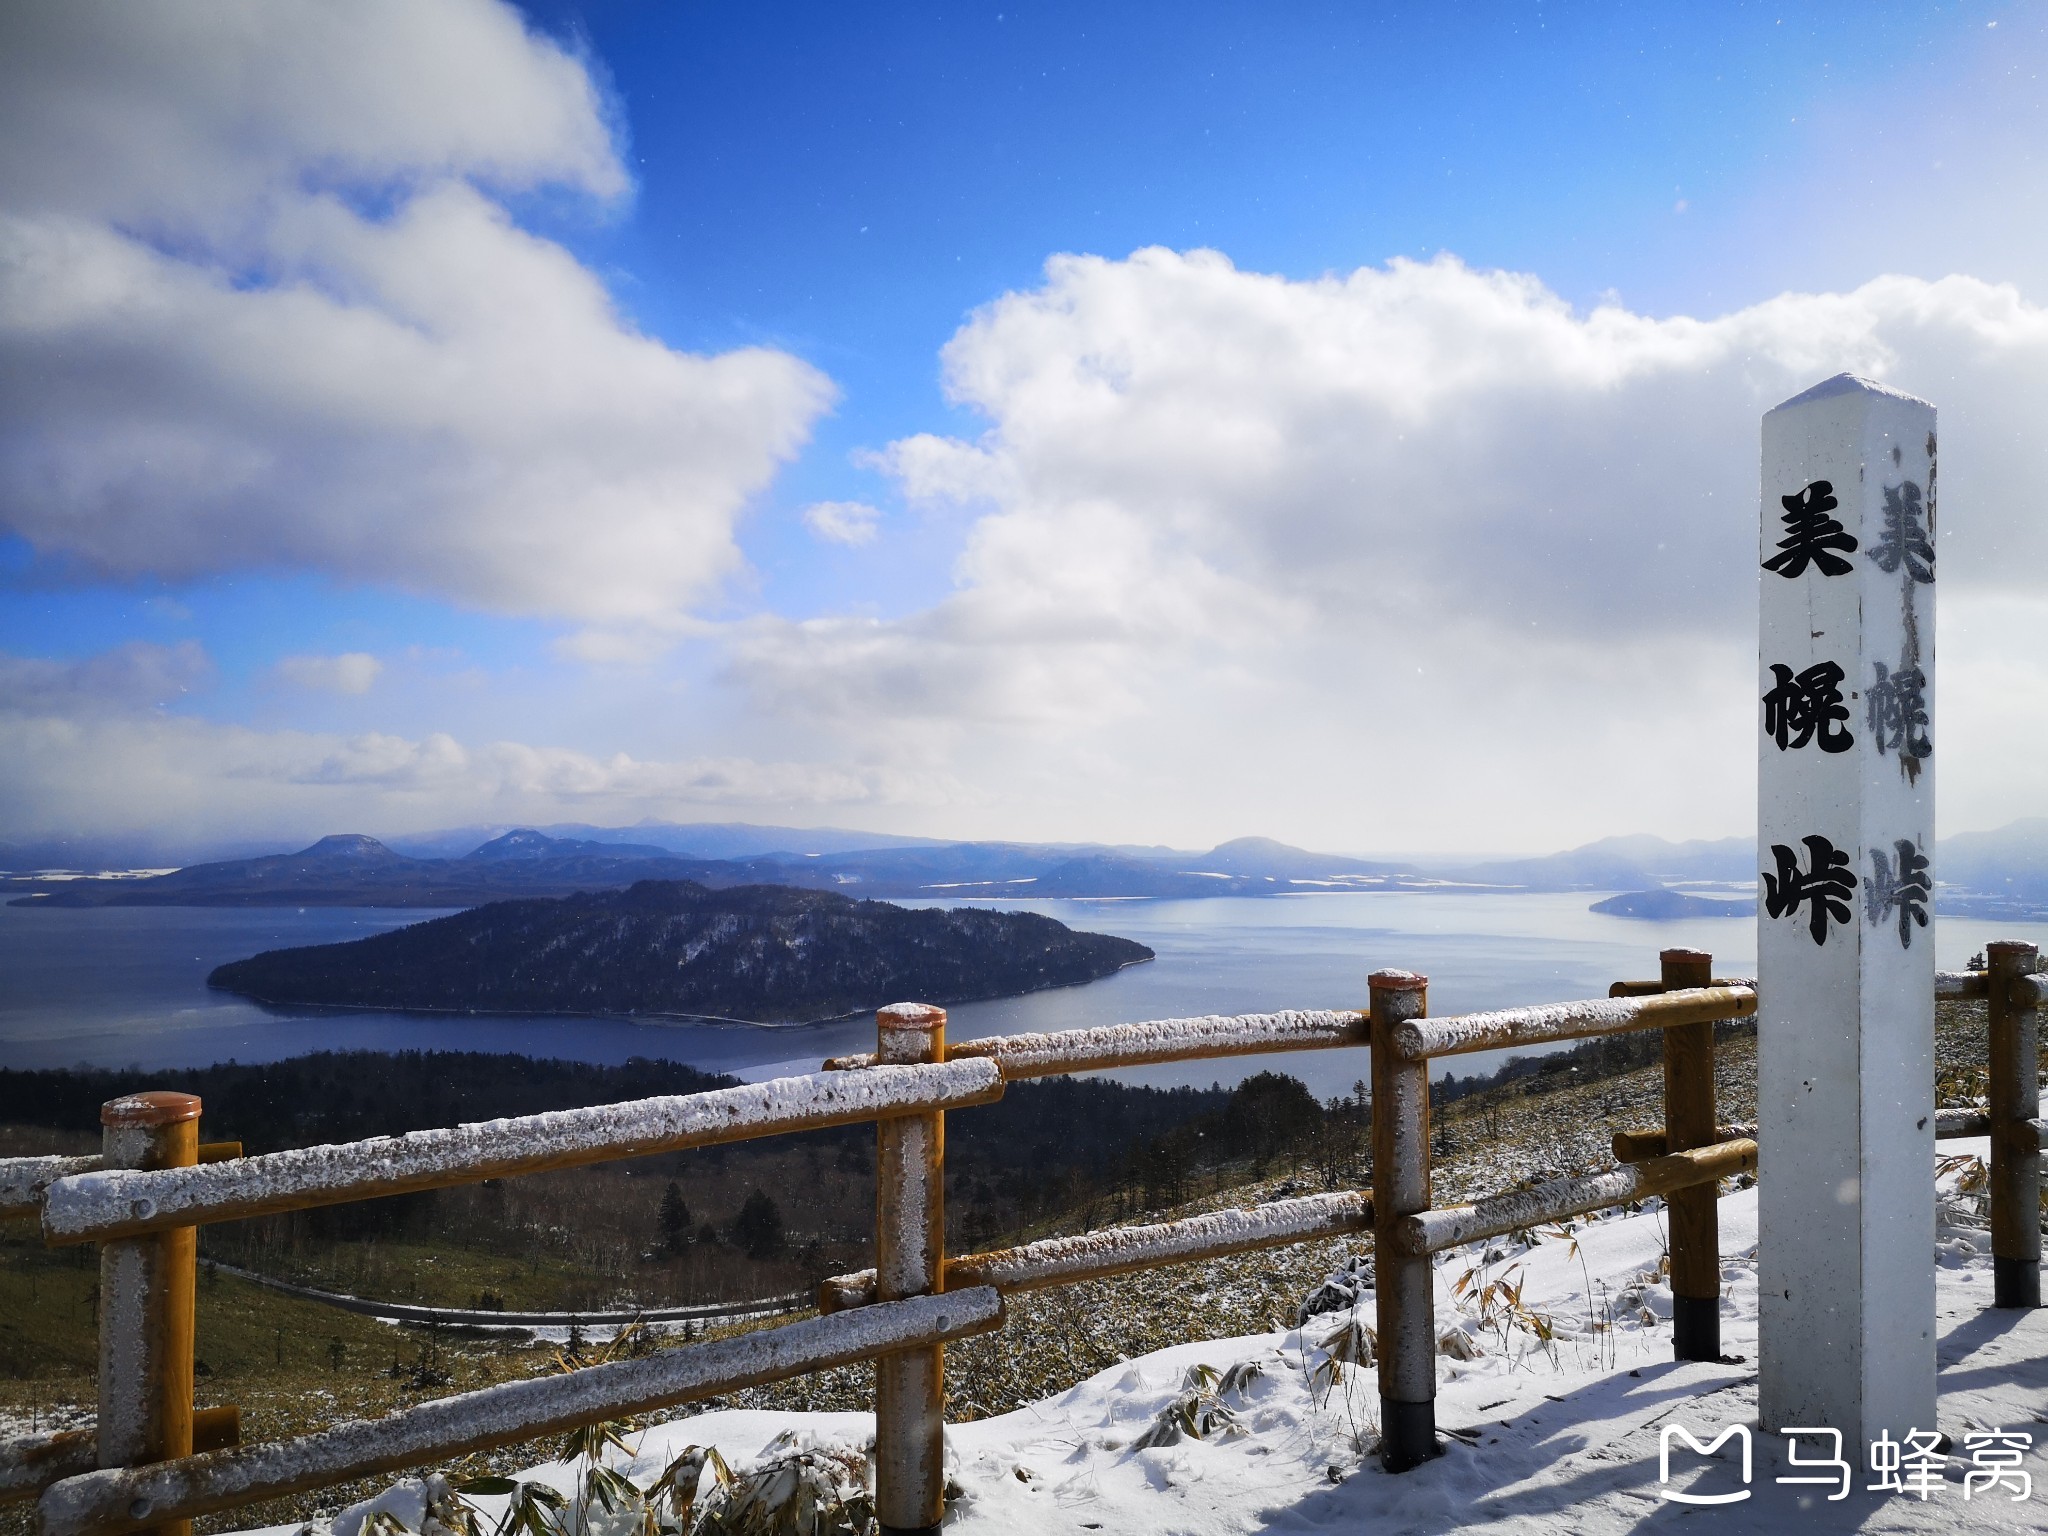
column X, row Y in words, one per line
column 758, row 954
column 696, row 840
column 1983, row 874
column 1623, row 863
column 352, row 870
column 1995, row 874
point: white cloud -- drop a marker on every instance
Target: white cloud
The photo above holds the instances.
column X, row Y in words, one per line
column 259, row 308
column 137, row 675
column 1415, row 556
column 1467, row 533
column 184, row 115
column 350, row 672
column 842, row 522
column 83, row 745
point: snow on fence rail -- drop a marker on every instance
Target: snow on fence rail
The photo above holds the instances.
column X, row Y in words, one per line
column 115, row 1203
column 1652, row 988
column 1449, row 1227
column 1118, row 1250
column 1955, row 985
column 142, row 1200
column 1159, row 1040
column 120, row 1499
column 32, row 1463
column 2028, row 992
column 1549, row 1023
column 1949, row 1125
column 1635, row 1146
column 23, row 1179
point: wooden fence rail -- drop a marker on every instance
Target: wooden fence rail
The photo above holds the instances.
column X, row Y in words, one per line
column 1526, row 1209
column 152, row 1463
column 1949, row 1125
column 133, row 1498
column 23, row 1179
column 46, row 1459
column 110, row 1203
column 1514, row 1028
column 1118, row 1250
column 1140, row 1045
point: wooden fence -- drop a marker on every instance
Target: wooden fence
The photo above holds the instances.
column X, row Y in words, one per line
column 153, row 1463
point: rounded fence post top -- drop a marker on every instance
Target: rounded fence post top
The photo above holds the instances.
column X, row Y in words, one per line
column 1680, row 955
column 160, row 1106
column 1398, row 981
column 910, row 1016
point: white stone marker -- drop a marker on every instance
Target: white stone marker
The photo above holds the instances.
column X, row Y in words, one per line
column 1845, row 950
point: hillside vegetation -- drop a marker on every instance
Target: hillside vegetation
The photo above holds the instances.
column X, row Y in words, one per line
column 604, row 1237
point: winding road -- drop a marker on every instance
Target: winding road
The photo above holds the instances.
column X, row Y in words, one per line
column 461, row 1317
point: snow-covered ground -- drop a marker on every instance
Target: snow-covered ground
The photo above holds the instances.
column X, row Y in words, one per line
column 1554, row 1398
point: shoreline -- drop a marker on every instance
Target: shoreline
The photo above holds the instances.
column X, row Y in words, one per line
column 654, row 1019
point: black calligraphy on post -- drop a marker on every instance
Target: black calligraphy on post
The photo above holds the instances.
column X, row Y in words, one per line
column 1896, row 708
column 1825, row 888
column 1904, row 542
column 1807, row 704
column 1811, row 535
column 1899, row 885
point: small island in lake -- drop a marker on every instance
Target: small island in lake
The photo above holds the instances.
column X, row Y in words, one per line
column 1663, row 906
column 762, row 954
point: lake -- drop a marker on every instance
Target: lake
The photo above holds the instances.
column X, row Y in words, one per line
column 121, row 986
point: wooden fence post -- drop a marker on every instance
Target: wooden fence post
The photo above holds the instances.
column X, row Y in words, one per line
column 147, row 1295
column 1690, row 1121
column 2015, row 1099
column 1400, row 1187
column 910, row 1238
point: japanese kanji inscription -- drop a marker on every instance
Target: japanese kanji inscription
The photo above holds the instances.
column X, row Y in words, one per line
column 1846, row 725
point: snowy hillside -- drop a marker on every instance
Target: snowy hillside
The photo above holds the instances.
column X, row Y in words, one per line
column 1556, row 1383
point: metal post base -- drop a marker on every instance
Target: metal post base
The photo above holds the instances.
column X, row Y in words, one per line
column 2015, row 1282
column 1407, row 1434
column 1696, row 1327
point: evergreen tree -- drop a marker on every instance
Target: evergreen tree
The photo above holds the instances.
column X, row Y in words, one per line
column 758, row 1227
column 674, row 1219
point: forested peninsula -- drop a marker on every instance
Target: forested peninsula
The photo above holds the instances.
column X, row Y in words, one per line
column 761, row 954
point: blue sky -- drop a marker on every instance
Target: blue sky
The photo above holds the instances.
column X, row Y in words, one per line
column 850, row 186
column 1034, row 619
